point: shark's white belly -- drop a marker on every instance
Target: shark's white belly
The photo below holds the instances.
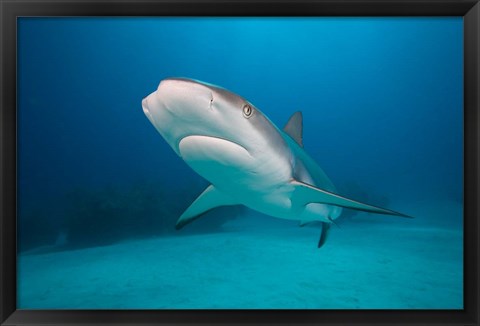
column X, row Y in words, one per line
column 231, row 168
column 260, row 183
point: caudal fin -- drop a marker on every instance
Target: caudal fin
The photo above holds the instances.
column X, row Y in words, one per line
column 323, row 234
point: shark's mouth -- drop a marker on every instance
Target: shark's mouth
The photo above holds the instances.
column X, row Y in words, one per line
column 198, row 148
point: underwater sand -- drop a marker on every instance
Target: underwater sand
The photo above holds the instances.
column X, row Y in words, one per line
column 368, row 262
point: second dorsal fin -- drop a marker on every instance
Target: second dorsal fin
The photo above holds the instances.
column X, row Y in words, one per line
column 294, row 127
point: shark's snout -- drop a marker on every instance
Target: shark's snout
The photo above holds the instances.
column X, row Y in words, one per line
column 145, row 105
column 146, row 110
column 184, row 96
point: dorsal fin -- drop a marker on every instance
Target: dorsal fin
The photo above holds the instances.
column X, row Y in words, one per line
column 294, row 127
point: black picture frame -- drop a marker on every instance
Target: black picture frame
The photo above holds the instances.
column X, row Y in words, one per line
column 10, row 10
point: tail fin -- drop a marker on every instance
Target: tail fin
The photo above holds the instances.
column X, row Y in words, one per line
column 323, row 234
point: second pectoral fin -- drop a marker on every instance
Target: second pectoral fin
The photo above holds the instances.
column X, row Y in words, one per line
column 304, row 194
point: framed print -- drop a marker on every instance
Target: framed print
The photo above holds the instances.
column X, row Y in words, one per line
column 239, row 162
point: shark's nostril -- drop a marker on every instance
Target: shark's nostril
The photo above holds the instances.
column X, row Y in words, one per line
column 211, row 101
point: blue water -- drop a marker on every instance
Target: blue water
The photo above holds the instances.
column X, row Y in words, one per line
column 100, row 190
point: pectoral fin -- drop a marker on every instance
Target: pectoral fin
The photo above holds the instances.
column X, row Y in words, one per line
column 303, row 223
column 305, row 194
column 208, row 199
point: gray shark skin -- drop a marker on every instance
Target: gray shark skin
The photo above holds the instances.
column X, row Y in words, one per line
column 246, row 158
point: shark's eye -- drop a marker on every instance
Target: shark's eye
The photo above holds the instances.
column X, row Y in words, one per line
column 247, row 111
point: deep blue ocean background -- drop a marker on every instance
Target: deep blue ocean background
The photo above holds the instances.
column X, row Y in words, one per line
column 100, row 190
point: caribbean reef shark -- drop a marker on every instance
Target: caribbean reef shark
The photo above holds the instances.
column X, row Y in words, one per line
column 246, row 158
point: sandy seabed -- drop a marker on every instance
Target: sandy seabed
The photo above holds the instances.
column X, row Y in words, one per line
column 367, row 263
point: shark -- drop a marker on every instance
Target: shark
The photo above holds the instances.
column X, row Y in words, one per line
column 245, row 157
